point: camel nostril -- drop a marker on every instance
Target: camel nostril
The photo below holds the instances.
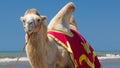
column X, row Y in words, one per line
column 30, row 22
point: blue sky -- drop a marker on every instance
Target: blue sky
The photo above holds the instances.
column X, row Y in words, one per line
column 98, row 21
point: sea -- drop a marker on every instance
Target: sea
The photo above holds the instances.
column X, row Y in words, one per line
column 8, row 59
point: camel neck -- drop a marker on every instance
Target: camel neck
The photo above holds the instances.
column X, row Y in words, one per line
column 35, row 49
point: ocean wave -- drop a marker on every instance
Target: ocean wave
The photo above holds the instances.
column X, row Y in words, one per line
column 110, row 56
column 107, row 56
column 102, row 58
column 13, row 59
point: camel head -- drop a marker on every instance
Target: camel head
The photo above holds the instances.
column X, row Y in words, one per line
column 32, row 20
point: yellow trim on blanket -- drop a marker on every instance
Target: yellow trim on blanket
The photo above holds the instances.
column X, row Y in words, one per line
column 67, row 48
column 94, row 55
column 70, row 34
column 71, row 55
column 86, row 47
column 86, row 59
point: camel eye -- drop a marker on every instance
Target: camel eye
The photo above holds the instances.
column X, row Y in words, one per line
column 23, row 21
column 38, row 20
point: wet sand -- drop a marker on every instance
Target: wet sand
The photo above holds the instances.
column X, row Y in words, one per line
column 19, row 65
column 106, row 63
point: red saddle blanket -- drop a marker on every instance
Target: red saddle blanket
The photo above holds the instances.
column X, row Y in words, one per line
column 82, row 54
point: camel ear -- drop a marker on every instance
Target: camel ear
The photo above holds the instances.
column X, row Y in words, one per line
column 21, row 18
column 43, row 18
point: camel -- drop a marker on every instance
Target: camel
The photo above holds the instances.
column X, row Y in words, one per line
column 42, row 50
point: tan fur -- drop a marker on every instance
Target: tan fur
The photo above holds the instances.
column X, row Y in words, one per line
column 35, row 48
column 42, row 50
column 73, row 24
column 62, row 19
column 32, row 11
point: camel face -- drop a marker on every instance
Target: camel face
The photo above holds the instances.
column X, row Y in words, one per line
column 30, row 22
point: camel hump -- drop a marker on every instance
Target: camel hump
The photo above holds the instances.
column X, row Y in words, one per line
column 70, row 6
column 62, row 18
column 73, row 24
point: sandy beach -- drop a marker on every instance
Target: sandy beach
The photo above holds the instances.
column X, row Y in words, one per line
column 24, row 64
column 106, row 63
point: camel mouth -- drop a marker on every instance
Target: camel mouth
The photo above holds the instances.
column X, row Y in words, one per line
column 29, row 30
column 29, row 26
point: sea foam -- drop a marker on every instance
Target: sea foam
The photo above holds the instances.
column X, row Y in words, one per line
column 107, row 56
column 13, row 59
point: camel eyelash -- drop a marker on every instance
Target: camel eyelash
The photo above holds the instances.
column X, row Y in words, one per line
column 38, row 20
column 24, row 20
